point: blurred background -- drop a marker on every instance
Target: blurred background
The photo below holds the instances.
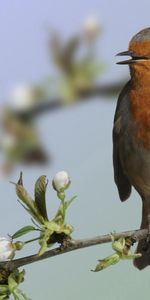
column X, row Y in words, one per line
column 59, row 84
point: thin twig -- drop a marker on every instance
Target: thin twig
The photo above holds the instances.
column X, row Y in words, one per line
column 75, row 245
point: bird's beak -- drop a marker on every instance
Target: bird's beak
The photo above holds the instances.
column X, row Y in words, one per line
column 125, row 53
column 134, row 57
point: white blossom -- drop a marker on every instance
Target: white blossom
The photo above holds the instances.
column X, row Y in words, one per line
column 22, row 97
column 91, row 27
column 61, row 181
column 7, row 250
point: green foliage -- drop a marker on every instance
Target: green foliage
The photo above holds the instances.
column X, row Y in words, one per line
column 122, row 251
column 23, row 231
column 11, row 288
column 27, row 200
column 37, row 209
column 40, row 190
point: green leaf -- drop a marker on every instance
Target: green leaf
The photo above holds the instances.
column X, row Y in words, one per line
column 67, row 203
column 60, row 214
column 20, row 181
column 4, row 289
column 43, row 248
column 22, row 294
column 45, row 237
column 43, row 243
column 16, row 297
column 107, row 262
column 22, row 231
column 40, row 190
column 27, row 200
column 67, row 229
column 12, row 283
column 4, row 297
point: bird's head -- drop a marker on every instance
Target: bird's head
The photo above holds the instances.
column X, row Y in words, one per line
column 139, row 51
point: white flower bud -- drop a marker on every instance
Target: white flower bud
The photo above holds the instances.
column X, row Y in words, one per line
column 22, row 97
column 61, row 181
column 91, row 27
column 7, row 250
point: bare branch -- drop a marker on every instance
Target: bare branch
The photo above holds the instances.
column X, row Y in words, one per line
column 75, row 245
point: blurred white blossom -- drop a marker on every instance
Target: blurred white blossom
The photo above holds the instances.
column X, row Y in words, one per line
column 91, row 27
column 7, row 250
column 22, row 97
column 61, row 181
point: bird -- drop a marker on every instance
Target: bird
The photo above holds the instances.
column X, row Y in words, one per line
column 131, row 135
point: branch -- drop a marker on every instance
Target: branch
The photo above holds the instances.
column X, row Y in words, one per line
column 107, row 90
column 75, row 245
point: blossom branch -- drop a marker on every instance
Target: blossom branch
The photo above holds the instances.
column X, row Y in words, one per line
column 107, row 90
column 76, row 245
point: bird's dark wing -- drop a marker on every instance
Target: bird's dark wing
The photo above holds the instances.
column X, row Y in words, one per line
column 121, row 180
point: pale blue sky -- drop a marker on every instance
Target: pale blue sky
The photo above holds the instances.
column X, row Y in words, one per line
column 23, row 33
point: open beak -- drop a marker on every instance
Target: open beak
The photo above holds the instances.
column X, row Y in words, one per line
column 134, row 57
column 128, row 61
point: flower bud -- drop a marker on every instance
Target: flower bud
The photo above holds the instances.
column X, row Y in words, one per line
column 7, row 250
column 61, row 181
column 18, row 245
column 91, row 27
column 22, row 97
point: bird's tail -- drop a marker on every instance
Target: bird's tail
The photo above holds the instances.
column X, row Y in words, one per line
column 143, row 261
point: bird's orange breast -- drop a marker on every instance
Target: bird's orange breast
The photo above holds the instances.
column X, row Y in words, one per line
column 140, row 109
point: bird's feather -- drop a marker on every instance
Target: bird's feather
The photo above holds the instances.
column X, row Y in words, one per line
column 121, row 180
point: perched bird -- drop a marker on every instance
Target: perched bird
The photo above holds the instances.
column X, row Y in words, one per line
column 131, row 135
